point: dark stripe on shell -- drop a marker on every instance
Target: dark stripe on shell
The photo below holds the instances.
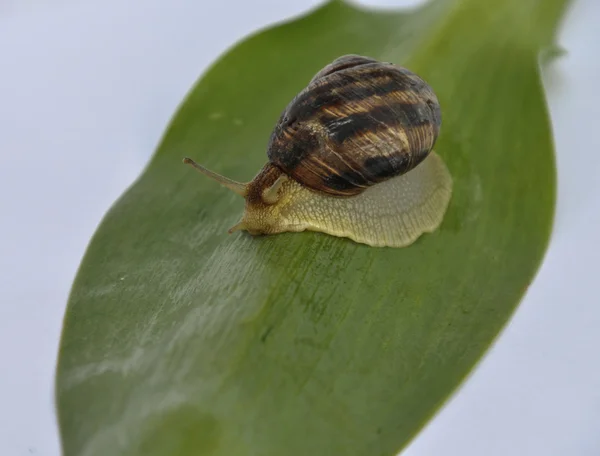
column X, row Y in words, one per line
column 384, row 167
column 346, row 87
column 352, row 92
column 383, row 117
column 346, row 183
column 289, row 152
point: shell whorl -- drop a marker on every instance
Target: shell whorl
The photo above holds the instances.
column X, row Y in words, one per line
column 358, row 122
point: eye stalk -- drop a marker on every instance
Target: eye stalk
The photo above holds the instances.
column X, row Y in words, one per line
column 237, row 187
column 271, row 195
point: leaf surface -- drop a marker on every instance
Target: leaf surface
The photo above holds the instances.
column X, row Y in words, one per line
column 182, row 340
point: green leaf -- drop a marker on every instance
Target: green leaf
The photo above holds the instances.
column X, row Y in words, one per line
column 180, row 339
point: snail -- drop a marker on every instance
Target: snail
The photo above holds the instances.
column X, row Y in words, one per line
column 351, row 156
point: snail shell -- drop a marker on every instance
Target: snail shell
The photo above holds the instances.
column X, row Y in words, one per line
column 359, row 122
column 351, row 156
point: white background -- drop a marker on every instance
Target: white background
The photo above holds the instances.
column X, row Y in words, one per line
column 86, row 90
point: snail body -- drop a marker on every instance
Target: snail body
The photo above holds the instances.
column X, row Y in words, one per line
column 351, row 156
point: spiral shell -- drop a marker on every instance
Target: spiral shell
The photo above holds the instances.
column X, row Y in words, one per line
column 357, row 123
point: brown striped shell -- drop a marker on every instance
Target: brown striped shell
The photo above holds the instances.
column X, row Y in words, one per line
column 357, row 123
